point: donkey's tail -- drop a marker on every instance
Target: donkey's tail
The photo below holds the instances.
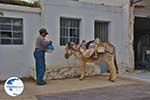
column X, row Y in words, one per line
column 115, row 62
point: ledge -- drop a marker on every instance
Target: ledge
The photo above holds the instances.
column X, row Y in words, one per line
column 66, row 71
column 17, row 8
column 83, row 5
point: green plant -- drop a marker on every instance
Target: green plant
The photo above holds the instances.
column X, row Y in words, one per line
column 21, row 3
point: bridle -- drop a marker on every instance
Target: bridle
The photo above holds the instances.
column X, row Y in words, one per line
column 78, row 50
column 75, row 50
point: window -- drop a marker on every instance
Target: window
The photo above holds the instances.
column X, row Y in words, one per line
column 101, row 30
column 69, row 30
column 11, row 31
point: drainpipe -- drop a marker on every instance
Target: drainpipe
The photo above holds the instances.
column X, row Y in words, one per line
column 42, row 13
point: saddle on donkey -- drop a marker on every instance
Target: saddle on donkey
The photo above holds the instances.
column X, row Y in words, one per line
column 92, row 48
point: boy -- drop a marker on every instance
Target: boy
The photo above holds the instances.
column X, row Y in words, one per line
column 39, row 55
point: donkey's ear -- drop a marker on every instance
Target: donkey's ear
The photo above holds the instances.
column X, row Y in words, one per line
column 66, row 45
column 69, row 44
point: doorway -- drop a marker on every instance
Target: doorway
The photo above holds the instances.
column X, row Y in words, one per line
column 142, row 43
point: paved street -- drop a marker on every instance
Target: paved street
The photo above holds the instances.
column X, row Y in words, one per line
column 92, row 88
column 124, row 92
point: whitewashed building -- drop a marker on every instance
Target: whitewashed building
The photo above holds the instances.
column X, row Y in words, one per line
column 136, row 25
column 66, row 20
column 18, row 28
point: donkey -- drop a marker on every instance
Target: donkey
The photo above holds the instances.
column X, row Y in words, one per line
column 108, row 56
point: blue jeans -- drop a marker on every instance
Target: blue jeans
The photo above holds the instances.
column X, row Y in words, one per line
column 39, row 56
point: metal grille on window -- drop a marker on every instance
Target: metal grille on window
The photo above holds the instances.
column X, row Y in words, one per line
column 69, row 30
column 11, row 31
column 101, row 30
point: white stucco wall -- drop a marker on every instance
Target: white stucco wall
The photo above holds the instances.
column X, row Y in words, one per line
column 16, row 60
column 52, row 11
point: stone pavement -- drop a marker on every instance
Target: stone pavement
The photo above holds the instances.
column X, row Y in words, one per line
column 67, row 85
column 123, row 92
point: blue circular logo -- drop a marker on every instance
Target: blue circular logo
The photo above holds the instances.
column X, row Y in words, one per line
column 14, row 86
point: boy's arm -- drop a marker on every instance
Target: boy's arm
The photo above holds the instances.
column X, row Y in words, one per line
column 45, row 42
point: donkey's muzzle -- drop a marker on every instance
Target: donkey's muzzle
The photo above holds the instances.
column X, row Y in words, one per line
column 66, row 56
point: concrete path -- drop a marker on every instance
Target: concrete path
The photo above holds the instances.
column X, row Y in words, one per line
column 123, row 92
column 59, row 86
column 140, row 75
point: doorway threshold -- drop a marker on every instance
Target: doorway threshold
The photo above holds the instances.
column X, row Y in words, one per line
column 139, row 75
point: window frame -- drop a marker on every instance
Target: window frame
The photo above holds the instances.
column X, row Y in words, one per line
column 12, row 31
column 107, row 25
column 68, row 37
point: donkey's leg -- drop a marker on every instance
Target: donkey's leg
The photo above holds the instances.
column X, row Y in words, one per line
column 112, row 69
column 82, row 69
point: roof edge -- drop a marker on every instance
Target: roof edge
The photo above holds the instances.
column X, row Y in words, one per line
column 17, row 8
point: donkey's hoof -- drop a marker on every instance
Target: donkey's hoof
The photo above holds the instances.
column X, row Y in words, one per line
column 81, row 79
column 111, row 80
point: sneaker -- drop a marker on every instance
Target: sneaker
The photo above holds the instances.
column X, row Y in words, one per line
column 41, row 83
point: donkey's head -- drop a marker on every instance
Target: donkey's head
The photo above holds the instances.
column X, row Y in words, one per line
column 69, row 49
